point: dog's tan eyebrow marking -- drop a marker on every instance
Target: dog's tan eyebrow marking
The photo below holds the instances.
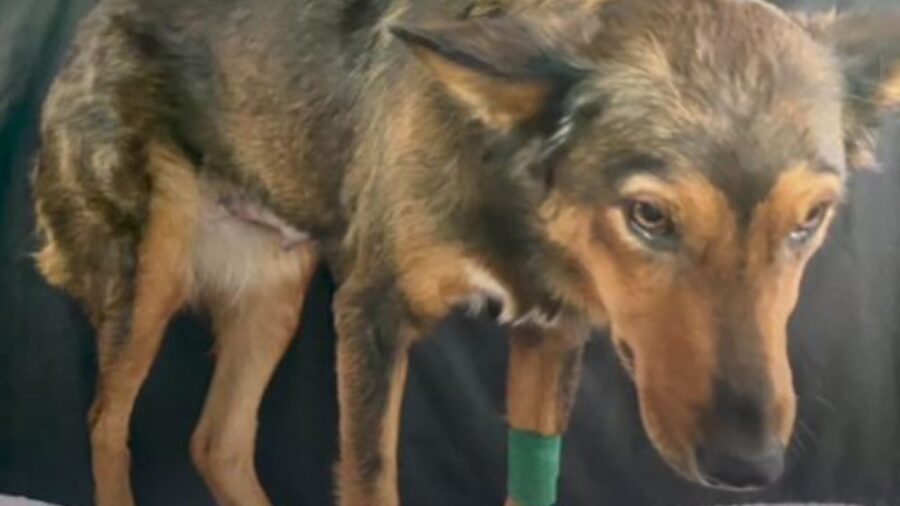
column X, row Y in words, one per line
column 642, row 183
column 624, row 168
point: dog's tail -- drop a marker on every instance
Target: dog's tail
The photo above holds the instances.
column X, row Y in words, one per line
column 33, row 37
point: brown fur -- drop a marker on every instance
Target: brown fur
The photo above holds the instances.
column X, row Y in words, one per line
column 544, row 368
column 211, row 154
column 160, row 289
column 497, row 103
column 889, row 95
column 543, row 374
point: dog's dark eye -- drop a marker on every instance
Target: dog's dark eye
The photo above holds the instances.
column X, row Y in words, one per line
column 649, row 219
column 811, row 223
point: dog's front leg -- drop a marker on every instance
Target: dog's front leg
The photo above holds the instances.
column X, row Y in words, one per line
column 544, row 369
column 371, row 367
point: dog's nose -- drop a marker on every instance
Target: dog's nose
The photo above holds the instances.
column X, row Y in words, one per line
column 726, row 465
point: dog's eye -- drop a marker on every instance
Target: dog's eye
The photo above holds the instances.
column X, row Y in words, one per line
column 648, row 219
column 811, row 223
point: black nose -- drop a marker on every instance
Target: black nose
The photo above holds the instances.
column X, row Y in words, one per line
column 726, row 465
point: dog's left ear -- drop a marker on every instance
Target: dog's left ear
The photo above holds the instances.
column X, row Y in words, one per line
column 505, row 70
column 868, row 47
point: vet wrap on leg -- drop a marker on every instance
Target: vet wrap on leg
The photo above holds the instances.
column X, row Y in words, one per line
column 533, row 467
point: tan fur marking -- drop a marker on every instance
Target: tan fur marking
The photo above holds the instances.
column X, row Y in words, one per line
column 387, row 484
column 434, row 279
column 499, row 103
column 437, row 278
column 571, row 228
column 778, row 283
column 543, row 374
column 50, row 260
column 161, row 289
column 533, row 386
column 666, row 319
column 796, row 192
column 889, row 95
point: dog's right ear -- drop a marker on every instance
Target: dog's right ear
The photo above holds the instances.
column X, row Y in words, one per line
column 506, row 70
column 867, row 45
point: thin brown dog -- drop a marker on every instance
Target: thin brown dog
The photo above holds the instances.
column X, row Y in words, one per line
column 663, row 168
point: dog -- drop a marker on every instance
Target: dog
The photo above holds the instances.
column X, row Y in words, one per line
column 665, row 169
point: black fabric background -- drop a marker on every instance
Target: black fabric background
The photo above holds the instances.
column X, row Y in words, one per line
column 845, row 350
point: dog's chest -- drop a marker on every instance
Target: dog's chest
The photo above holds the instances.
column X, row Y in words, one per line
column 489, row 296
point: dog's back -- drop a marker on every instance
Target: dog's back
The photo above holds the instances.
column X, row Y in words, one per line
column 261, row 99
column 174, row 129
column 256, row 95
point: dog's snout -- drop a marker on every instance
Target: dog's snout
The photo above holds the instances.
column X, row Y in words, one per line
column 740, row 449
column 725, row 463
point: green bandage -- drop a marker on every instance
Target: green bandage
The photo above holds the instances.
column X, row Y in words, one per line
column 533, row 467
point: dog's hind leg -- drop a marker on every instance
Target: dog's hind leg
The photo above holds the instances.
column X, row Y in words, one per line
column 253, row 329
column 129, row 338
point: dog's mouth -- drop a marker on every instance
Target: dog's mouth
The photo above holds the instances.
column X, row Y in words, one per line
column 690, row 471
column 710, row 482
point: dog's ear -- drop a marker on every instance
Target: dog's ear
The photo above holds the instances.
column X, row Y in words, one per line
column 868, row 47
column 506, row 70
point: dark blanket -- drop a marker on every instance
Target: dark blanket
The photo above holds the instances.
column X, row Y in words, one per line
column 845, row 350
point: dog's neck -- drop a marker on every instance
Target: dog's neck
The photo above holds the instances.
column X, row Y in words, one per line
column 439, row 187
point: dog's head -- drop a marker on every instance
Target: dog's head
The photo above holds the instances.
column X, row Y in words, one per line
column 693, row 155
